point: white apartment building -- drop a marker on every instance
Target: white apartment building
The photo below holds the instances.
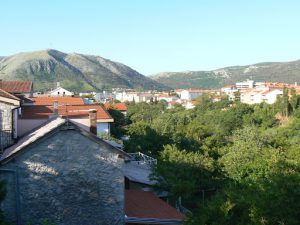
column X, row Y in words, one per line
column 245, row 84
column 257, row 96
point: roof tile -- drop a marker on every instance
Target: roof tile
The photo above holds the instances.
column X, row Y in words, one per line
column 16, row 86
column 143, row 204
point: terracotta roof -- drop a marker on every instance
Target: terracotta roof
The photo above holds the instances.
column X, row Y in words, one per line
column 43, row 111
column 145, row 205
column 61, row 100
column 8, row 95
column 16, row 86
column 118, row 106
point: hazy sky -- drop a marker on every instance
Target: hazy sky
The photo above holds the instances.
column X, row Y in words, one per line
column 156, row 35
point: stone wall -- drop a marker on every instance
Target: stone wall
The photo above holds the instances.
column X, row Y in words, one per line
column 66, row 179
column 6, row 126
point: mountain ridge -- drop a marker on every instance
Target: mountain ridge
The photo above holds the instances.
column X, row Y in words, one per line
column 288, row 72
column 75, row 71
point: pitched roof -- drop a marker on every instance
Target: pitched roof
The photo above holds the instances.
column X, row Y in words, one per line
column 32, row 137
column 16, row 86
column 8, row 95
column 137, row 173
column 45, row 129
column 118, row 106
column 65, row 100
column 145, row 206
column 44, row 111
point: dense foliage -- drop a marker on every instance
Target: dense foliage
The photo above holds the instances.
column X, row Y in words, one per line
column 228, row 162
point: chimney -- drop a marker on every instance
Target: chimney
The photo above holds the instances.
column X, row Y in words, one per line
column 55, row 108
column 57, row 84
column 93, row 121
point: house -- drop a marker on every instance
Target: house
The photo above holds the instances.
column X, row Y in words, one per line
column 35, row 115
column 66, row 100
column 143, row 203
column 17, row 88
column 119, row 106
column 143, row 207
column 59, row 91
column 61, row 173
column 9, row 105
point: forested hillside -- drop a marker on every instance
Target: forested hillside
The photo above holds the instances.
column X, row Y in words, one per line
column 230, row 163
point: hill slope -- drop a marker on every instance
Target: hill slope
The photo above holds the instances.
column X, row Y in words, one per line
column 76, row 72
column 288, row 72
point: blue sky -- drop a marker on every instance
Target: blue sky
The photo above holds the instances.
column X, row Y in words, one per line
column 156, row 35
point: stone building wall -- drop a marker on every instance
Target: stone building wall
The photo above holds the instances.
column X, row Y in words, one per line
column 6, row 125
column 67, row 179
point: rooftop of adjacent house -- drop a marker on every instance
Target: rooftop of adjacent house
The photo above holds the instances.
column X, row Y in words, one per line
column 64, row 100
column 8, row 95
column 16, row 86
column 43, row 130
column 136, row 172
column 44, row 111
column 141, row 206
column 118, row 106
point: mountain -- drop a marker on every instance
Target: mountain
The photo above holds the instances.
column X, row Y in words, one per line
column 76, row 72
column 288, row 72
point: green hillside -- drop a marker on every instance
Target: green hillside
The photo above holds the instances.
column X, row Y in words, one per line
column 76, row 72
column 288, row 72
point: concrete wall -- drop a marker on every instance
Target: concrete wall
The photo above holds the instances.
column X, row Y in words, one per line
column 6, row 125
column 67, row 179
column 82, row 123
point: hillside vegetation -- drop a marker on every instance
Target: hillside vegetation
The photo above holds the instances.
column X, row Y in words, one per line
column 77, row 72
column 288, row 72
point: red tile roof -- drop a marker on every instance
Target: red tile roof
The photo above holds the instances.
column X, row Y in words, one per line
column 43, row 111
column 61, row 100
column 141, row 204
column 118, row 106
column 16, row 86
column 8, row 95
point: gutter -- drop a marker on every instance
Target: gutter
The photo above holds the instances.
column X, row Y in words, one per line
column 152, row 221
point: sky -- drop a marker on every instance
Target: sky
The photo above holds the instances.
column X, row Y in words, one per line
column 154, row 36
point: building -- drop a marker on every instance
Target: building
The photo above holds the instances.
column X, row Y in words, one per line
column 17, row 88
column 245, row 84
column 134, row 96
column 9, row 105
column 189, row 94
column 166, row 97
column 230, row 91
column 59, row 91
column 33, row 116
column 259, row 95
column 143, row 207
column 119, row 106
column 64, row 174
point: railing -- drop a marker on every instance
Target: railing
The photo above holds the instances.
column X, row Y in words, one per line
column 141, row 158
